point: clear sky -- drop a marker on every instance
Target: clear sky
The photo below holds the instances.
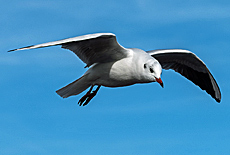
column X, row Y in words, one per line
column 139, row 119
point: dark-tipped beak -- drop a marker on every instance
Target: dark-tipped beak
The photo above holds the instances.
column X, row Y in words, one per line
column 160, row 82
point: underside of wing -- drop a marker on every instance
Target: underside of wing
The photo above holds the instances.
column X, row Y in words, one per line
column 97, row 50
column 91, row 48
column 190, row 66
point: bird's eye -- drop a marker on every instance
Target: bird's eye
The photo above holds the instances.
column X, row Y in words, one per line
column 151, row 70
column 145, row 66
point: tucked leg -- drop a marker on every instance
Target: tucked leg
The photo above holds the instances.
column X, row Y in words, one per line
column 91, row 96
column 88, row 96
column 81, row 101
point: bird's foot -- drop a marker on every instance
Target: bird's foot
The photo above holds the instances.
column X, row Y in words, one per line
column 86, row 98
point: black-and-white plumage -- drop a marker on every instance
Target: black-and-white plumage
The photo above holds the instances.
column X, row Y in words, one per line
column 190, row 66
column 112, row 65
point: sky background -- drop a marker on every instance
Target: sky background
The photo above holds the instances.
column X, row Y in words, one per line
column 140, row 119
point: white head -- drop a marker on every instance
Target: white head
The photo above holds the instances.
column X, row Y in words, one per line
column 152, row 71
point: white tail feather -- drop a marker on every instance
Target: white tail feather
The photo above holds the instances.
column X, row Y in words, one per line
column 74, row 88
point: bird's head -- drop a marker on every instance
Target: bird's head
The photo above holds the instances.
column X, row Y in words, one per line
column 153, row 70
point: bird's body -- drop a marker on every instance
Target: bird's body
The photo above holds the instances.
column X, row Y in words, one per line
column 112, row 65
column 122, row 72
column 114, row 74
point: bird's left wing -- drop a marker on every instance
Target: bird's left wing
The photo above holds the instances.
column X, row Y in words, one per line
column 190, row 66
column 91, row 48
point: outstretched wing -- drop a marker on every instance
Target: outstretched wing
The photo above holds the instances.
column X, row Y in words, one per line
column 190, row 66
column 92, row 48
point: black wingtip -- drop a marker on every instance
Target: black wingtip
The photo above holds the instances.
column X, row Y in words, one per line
column 218, row 100
column 12, row 50
column 23, row 48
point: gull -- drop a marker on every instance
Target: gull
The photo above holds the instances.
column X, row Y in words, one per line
column 112, row 65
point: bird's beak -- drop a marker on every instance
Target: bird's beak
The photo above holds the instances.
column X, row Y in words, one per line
column 160, row 82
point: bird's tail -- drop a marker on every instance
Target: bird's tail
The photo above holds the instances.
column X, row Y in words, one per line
column 74, row 88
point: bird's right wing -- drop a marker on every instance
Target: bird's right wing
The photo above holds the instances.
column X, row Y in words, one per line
column 91, row 48
column 190, row 66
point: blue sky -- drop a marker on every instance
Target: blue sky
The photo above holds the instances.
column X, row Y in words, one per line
column 139, row 119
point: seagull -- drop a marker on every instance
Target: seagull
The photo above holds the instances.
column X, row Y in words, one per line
column 112, row 65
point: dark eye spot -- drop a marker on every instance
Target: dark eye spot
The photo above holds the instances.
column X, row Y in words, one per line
column 145, row 66
column 151, row 70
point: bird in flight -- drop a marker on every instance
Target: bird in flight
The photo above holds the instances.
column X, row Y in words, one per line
column 112, row 65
